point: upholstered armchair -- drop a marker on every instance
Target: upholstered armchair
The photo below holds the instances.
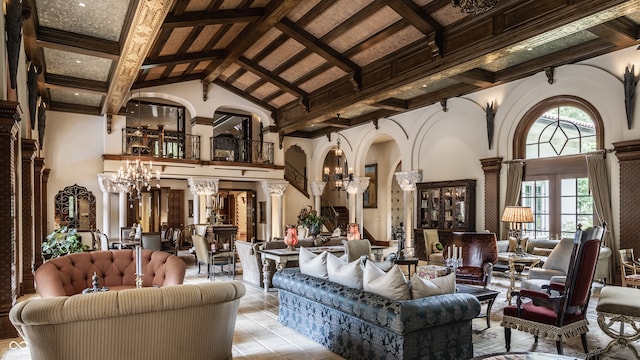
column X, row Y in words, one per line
column 479, row 253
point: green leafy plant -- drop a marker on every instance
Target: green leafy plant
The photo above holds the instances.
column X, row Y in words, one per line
column 309, row 218
column 62, row 241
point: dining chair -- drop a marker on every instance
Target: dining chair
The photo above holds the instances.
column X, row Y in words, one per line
column 203, row 253
column 629, row 268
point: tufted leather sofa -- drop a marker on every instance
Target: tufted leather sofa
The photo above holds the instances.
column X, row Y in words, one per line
column 70, row 274
column 359, row 325
column 191, row 321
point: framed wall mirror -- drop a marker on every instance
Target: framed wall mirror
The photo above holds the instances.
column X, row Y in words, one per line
column 76, row 208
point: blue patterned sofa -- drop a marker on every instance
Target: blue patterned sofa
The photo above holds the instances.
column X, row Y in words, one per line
column 359, row 325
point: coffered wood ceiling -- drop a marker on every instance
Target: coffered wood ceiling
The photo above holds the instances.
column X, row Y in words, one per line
column 307, row 61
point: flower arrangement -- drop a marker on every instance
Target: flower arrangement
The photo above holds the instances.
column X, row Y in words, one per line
column 309, row 218
column 62, row 241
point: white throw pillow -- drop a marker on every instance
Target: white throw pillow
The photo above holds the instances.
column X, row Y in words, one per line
column 343, row 273
column 392, row 284
column 313, row 264
column 429, row 287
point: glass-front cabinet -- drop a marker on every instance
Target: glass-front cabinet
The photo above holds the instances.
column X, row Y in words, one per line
column 447, row 205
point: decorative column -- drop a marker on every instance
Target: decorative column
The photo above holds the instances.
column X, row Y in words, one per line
column 108, row 186
column 628, row 154
column 38, row 165
column 29, row 148
column 275, row 189
column 45, row 208
column 407, row 181
column 317, row 188
column 9, row 117
column 491, row 168
column 202, row 186
column 355, row 189
column 122, row 210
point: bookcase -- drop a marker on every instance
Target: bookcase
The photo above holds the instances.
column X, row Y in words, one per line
column 447, row 205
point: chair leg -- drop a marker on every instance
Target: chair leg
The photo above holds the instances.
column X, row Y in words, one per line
column 198, row 267
column 583, row 337
column 507, row 338
column 535, row 339
column 559, row 347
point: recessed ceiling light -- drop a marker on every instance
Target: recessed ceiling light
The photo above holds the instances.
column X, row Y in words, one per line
column 78, row 61
column 76, row 94
column 425, row 85
column 529, row 48
column 81, row 4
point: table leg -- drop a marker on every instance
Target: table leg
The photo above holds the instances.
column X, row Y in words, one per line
column 489, row 305
column 512, row 282
column 265, row 274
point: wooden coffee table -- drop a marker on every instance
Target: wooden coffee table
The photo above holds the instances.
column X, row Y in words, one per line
column 483, row 295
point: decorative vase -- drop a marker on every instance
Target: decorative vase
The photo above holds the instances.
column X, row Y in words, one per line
column 354, row 232
column 292, row 237
column 314, row 230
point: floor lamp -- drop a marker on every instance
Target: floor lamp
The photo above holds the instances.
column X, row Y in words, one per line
column 515, row 216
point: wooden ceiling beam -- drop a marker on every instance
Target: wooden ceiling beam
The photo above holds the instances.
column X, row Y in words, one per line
column 265, row 74
column 172, row 60
column 231, row 16
column 413, row 14
column 76, row 43
column 478, row 77
column 53, row 81
column 274, row 12
column 393, row 104
column 620, row 32
column 240, row 93
column 316, row 46
column 73, row 108
column 335, row 122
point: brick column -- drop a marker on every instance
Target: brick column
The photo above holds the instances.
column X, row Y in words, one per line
column 29, row 148
column 628, row 153
column 9, row 118
column 38, row 165
column 491, row 168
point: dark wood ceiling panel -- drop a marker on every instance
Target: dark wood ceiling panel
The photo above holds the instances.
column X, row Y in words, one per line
column 305, row 61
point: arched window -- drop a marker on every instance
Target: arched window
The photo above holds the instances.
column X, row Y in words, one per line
column 553, row 138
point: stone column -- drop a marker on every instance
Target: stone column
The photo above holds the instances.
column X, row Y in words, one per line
column 38, row 165
column 45, row 208
column 317, row 188
column 29, row 148
column 108, row 186
column 9, row 117
column 275, row 189
column 202, row 186
column 122, row 210
column 407, row 181
column 491, row 168
column 355, row 189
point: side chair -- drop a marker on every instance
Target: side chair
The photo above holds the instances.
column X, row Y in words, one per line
column 559, row 311
column 629, row 268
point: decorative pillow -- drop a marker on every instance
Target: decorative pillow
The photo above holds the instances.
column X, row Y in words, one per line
column 437, row 247
column 429, row 287
column 541, row 251
column 343, row 273
column 391, row 285
column 313, row 264
column 513, row 243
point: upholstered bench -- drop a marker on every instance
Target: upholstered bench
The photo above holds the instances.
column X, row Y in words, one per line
column 70, row 274
column 616, row 307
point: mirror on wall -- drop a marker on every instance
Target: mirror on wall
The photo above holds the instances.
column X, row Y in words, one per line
column 75, row 208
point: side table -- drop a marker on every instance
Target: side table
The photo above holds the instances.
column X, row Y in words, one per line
column 408, row 261
column 517, row 263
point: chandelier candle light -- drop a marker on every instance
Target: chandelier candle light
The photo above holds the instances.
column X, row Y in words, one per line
column 339, row 175
column 515, row 216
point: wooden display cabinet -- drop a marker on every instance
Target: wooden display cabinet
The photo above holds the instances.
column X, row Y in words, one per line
column 447, row 205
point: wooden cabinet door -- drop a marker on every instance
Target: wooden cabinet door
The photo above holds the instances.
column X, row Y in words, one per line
column 175, row 212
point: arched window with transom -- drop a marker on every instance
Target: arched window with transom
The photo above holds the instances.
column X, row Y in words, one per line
column 553, row 138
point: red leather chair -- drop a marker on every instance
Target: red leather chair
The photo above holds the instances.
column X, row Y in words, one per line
column 479, row 253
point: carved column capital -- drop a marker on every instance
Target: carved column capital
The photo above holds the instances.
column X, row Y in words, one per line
column 408, row 179
column 358, row 185
column 203, row 186
column 317, row 187
column 274, row 187
column 29, row 148
column 107, row 183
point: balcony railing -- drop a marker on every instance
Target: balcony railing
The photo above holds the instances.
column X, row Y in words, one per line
column 242, row 151
column 160, row 143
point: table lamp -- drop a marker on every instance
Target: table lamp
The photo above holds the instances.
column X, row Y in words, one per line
column 515, row 216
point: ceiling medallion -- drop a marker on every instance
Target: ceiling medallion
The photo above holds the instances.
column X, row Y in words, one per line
column 474, row 6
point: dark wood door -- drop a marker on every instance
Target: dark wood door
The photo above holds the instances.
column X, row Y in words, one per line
column 175, row 212
column 251, row 214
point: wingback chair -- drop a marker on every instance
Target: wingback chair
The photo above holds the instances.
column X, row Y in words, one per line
column 479, row 254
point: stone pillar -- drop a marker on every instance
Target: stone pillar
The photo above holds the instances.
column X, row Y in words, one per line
column 196, row 209
column 275, row 189
column 38, row 165
column 317, row 188
column 407, row 181
column 355, row 189
column 45, row 208
column 108, row 186
column 9, row 117
column 122, row 210
column 491, row 168
column 29, row 148
column 628, row 154
column 202, row 186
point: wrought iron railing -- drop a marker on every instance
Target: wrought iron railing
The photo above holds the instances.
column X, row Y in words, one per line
column 244, row 151
column 295, row 177
column 160, row 143
column 329, row 213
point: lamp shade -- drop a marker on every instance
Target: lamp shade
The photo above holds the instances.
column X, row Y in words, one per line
column 517, row 214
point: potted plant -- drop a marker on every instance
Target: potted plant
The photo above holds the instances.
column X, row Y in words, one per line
column 62, row 241
column 309, row 218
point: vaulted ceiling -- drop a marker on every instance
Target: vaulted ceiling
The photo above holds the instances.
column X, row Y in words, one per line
column 308, row 61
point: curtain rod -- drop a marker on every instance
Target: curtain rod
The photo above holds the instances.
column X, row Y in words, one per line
column 600, row 151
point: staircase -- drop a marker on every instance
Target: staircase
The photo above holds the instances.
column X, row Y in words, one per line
column 296, row 178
